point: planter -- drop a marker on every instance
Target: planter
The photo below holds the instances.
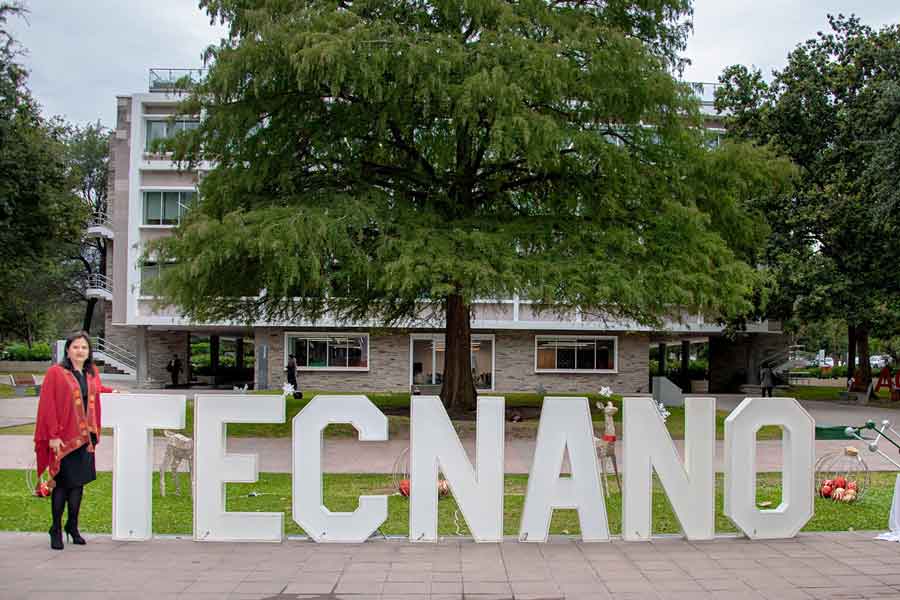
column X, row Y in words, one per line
column 25, row 366
column 699, row 386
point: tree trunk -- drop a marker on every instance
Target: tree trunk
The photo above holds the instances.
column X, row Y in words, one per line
column 88, row 314
column 851, row 350
column 458, row 391
column 865, row 369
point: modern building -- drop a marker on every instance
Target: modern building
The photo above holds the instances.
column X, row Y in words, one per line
column 515, row 347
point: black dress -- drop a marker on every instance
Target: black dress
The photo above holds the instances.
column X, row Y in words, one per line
column 78, row 467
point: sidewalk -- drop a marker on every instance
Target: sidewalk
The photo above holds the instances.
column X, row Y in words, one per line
column 817, row 565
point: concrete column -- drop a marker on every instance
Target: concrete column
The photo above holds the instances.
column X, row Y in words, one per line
column 261, row 356
column 685, row 364
column 662, row 359
column 187, row 358
column 142, row 355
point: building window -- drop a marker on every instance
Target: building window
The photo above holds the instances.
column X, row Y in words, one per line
column 575, row 354
column 427, row 358
column 167, row 208
column 349, row 352
column 164, row 129
column 150, row 272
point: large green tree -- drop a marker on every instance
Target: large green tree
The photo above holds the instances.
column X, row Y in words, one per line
column 395, row 161
column 40, row 216
column 834, row 110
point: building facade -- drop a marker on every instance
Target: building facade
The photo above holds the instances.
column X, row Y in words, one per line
column 515, row 348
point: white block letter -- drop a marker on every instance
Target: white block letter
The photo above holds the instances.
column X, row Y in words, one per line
column 133, row 417
column 798, row 441
column 435, row 446
column 691, row 488
column 565, row 423
column 214, row 467
column 309, row 509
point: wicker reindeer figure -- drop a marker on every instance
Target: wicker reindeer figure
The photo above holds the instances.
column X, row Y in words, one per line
column 606, row 446
column 179, row 448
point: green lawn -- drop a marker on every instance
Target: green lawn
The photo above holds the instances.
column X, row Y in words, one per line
column 824, row 393
column 20, row 511
column 399, row 423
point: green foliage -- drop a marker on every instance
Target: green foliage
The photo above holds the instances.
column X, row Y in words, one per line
column 834, row 110
column 21, row 352
column 374, row 157
column 40, row 218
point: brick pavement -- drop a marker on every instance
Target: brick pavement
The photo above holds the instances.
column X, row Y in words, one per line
column 813, row 565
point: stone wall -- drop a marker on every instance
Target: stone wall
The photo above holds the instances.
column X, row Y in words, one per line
column 514, row 370
column 389, row 366
column 161, row 346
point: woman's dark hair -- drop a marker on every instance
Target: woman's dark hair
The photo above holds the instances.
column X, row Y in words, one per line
column 89, row 363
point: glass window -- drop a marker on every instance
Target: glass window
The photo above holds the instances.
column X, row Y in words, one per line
column 483, row 363
column 570, row 353
column 422, row 368
column 152, row 208
column 171, row 208
column 300, row 351
column 318, row 353
column 606, row 353
column 565, row 353
column 333, row 352
column 586, row 351
column 156, row 130
column 358, row 352
column 337, row 352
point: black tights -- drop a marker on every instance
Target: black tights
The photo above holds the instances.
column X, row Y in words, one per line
column 58, row 501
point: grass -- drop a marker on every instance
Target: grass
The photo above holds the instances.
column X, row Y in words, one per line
column 824, row 393
column 19, row 511
column 399, row 422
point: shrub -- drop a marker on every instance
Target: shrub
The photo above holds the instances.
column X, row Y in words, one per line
column 18, row 351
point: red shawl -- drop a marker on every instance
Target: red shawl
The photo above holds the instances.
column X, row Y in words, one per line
column 61, row 414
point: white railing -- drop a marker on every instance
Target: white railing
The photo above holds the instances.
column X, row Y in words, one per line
column 99, row 281
column 116, row 356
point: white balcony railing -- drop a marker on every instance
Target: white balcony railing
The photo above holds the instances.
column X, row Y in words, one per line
column 99, row 224
column 99, row 286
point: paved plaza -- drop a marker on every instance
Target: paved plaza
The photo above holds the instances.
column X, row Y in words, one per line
column 815, row 565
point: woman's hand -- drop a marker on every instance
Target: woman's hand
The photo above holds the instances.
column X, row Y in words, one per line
column 56, row 445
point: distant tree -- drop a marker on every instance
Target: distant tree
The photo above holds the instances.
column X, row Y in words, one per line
column 834, row 110
column 40, row 217
column 396, row 161
column 87, row 156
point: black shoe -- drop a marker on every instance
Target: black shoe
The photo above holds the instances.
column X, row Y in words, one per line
column 72, row 531
column 56, row 542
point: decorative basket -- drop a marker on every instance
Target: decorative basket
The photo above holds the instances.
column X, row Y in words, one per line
column 842, row 476
column 400, row 476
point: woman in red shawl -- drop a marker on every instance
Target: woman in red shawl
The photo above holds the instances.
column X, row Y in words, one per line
column 67, row 430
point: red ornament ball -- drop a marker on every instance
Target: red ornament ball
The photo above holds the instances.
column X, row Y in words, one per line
column 826, row 491
column 42, row 490
column 840, row 482
column 404, row 487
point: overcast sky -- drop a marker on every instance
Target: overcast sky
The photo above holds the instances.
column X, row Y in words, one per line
column 83, row 53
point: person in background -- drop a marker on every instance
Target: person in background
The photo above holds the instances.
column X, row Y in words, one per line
column 292, row 371
column 766, row 381
column 174, row 368
column 67, row 430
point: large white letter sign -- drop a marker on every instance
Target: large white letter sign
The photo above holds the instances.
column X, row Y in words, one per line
column 691, row 488
column 133, row 417
column 798, row 441
column 565, row 423
column 435, row 446
column 215, row 467
column 309, row 509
